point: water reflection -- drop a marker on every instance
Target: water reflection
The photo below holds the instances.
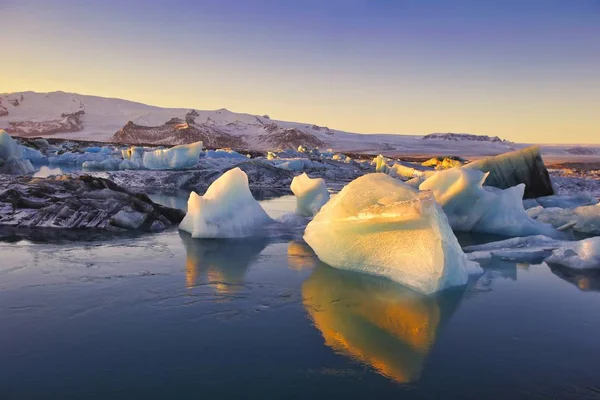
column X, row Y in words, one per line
column 585, row 280
column 220, row 263
column 375, row 321
column 45, row 172
column 300, row 256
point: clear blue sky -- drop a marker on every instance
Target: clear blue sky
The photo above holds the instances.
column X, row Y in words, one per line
column 526, row 70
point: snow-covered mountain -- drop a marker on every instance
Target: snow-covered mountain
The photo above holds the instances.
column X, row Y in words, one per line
column 75, row 116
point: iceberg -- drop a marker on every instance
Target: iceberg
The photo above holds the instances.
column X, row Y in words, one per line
column 311, row 194
column 381, row 164
column 33, row 155
column 227, row 210
column 110, row 164
column 380, row 226
column 584, row 254
column 224, row 153
column 178, row 157
column 510, row 169
column 12, row 160
column 134, row 153
column 471, row 207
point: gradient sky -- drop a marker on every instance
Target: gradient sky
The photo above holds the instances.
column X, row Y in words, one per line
column 525, row 70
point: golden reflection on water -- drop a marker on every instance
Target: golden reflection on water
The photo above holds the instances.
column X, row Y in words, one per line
column 377, row 322
column 222, row 264
column 300, row 256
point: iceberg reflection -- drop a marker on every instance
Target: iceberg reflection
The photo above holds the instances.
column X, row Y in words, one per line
column 301, row 256
column 377, row 322
column 223, row 263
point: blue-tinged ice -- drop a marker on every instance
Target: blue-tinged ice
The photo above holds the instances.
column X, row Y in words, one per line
column 178, row 157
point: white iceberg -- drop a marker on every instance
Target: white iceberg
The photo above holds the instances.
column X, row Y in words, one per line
column 471, row 207
column 178, row 157
column 380, row 226
column 227, row 210
column 311, row 194
column 584, row 254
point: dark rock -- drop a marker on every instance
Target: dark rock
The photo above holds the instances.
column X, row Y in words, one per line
column 83, row 202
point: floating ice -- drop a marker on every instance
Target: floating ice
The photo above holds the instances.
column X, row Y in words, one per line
column 443, row 162
column 381, row 164
column 510, row 169
column 584, row 254
column 311, row 194
column 178, row 157
column 98, row 149
column 381, row 226
column 110, row 164
column 134, row 153
column 521, row 249
column 585, row 219
column 69, row 158
column 227, row 210
column 562, row 201
column 472, row 208
column 12, row 159
column 298, row 164
column 224, row 153
column 33, row 155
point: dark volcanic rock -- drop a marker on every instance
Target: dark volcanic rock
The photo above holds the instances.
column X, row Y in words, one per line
column 285, row 138
column 521, row 166
column 83, row 202
column 464, row 136
column 67, row 123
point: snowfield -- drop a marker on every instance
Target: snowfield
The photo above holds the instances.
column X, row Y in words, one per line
column 75, row 116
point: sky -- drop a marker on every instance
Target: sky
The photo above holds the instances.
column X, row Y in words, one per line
column 524, row 70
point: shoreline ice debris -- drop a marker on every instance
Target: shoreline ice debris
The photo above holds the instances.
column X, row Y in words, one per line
column 582, row 254
column 227, row 209
column 178, row 157
column 311, row 194
column 510, row 169
column 584, row 219
column 12, row 158
column 380, row 226
column 471, row 207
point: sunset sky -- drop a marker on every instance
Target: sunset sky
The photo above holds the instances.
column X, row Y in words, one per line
column 525, row 70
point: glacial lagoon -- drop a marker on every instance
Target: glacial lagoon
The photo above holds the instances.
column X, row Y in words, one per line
column 167, row 316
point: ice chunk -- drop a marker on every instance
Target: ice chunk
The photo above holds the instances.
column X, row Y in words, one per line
column 129, row 219
column 109, row 164
column 98, row 149
column 298, row 164
column 311, row 194
column 472, row 208
column 227, row 210
column 584, row 254
column 33, row 155
column 381, row 226
column 178, row 157
column 585, row 219
column 12, row 159
column 381, row 164
column 407, row 171
column 566, row 201
column 444, row 162
column 510, row 169
column 134, row 153
column 530, row 249
column 127, row 164
column 69, row 158
column 224, row 153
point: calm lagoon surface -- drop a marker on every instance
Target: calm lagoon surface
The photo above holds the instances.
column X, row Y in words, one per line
column 167, row 316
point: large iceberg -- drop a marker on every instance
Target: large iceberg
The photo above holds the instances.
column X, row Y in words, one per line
column 227, row 210
column 12, row 160
column 522, row 166
column 311, row 194
column 178, row 157
column 380, row 226
column 471, row 207
column 134, row 153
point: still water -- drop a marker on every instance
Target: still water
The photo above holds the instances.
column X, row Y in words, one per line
column 167, row 316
